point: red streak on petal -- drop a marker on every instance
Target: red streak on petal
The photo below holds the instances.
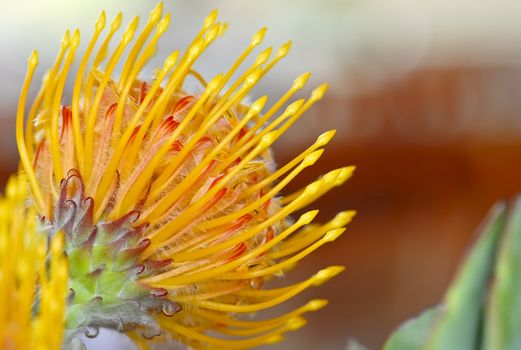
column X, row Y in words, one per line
column 216, row 180
column 167, row 126
column 210, row 166
column 242, row 221
column 66, row 120
column 202, row 141
column 266, row 205
column 182, row 103
column 236, row 225
column 242, row 132
column 238, row 250
column 172, row 126
column 143, row 90
column 166, row 121
column 270, row 235
column 109, row 113
column 235, row 162
column 134, row 133
column 39, row 151
column 176, row 146
column 215, row 199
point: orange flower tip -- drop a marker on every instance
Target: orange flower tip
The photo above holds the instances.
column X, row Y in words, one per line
column 33, row 59
column 263, row 56
column 210, row 19
column 101, row 22
column 156, row 13
column 267, row 140
column 66, row 38
column 343, row 218
column 312, row 158
column 223, row 28
column 324, row 138
column 213, row 33
column 171, row 60
column 296, row 323
column 294, row 107
column 75, row 41
column 130, row 31
column 194, row 51
column 258, row 37
column 253, row 78
column 301, row 81
column 312, row 188
column 338, row 176
column 316, row 304
column 344, row 174
column 331, row 235
column 319, row 92
column 213, row 85
column 284, row 49
column 306, row 218
column 257, row 106
column 331, row 176
column 116, row 23
column 275, row 339
column 163, row 25
column 326, row 274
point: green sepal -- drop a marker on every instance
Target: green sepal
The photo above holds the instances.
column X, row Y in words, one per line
column 413, row 334
column 101, row 255
column 458, row 323
column 109, row 284
column 503, row 321
column 79, row 262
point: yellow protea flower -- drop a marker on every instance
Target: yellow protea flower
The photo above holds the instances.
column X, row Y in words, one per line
column 33, row 277
column 168, row 199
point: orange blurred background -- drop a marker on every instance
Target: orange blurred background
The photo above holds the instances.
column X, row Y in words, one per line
column 426, row 97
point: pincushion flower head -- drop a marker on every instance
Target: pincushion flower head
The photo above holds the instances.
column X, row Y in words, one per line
column 33, row 276
column 168, row 199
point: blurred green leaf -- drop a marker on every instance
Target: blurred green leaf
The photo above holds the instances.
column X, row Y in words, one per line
column 413, row 333
column 458, row 323
column 503, row 313
column 353, row 344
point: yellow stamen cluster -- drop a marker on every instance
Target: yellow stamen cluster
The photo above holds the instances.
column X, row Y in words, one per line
column 33, row 278
column 196, row 167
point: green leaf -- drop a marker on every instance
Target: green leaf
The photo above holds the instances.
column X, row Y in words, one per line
column 503, row 322
column 457, row 324
column 458, row 327
column 413, row 333
column 353, row 344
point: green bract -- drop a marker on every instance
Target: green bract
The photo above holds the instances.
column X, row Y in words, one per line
column 482, row 307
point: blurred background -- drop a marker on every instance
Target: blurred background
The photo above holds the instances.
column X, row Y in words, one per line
column 426, row 98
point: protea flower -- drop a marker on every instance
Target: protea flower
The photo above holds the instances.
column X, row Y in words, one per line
column 169, row 199
column 33, row 277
